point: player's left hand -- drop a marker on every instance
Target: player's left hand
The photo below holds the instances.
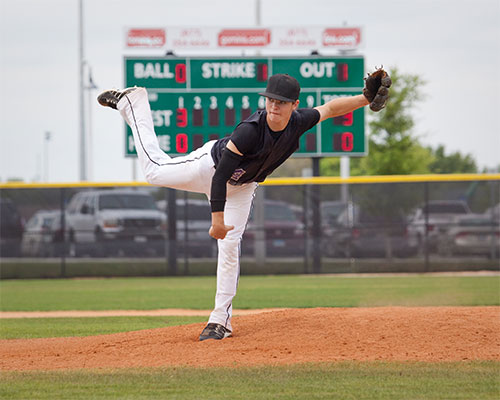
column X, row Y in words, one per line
column 376, row 89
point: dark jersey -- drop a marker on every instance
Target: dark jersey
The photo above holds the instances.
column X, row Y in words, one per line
column 263, row 149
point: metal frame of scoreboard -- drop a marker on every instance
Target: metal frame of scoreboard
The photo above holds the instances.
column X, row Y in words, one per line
column 196, row 99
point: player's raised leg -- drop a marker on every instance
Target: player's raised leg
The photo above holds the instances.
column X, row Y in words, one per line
column 159, row 169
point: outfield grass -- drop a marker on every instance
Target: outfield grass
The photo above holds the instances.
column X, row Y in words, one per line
column 253, row 292
column 346, row 380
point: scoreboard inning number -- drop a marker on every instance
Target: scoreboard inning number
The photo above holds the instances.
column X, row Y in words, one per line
column 194, row 100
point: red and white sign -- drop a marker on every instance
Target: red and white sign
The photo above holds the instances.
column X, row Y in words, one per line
column 146, row 38
column 244, row 38
column 212, row 38
column 341, row 37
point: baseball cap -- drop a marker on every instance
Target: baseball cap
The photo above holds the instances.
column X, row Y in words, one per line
column 282, row 87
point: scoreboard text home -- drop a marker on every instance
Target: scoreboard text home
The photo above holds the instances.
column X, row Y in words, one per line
column 194, row 100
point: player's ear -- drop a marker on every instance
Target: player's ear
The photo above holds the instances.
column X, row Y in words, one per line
column 295, row 105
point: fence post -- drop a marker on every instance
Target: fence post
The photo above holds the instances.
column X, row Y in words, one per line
column 305, row 208
column 492, row 216
column 315, row 191
column 63, row 231
column 426, row 229
column 172, row 232
column 185, row 244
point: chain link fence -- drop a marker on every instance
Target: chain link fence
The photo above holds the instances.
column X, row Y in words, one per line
column 315, row 225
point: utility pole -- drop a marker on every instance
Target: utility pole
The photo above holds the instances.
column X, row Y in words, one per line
column 81, row 62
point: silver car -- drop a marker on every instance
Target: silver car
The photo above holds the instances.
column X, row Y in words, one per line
column 43, row 235
column 436, row 215
column 473, row 234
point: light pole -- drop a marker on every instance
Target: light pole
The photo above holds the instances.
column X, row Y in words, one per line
column 46, row 157
column 81, row 62
column 90, row 87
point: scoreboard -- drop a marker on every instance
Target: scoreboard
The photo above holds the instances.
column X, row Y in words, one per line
column 194, row 100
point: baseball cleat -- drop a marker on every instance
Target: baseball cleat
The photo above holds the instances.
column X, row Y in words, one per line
column 214, row 331
column 110, row 98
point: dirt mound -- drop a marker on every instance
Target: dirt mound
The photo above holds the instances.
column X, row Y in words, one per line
column 280, row 337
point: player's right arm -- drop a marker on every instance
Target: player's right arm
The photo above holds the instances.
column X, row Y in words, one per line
column 231, row 158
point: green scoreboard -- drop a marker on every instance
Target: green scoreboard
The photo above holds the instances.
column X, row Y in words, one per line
column 194, row 100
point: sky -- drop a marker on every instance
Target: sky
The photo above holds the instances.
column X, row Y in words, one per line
column 453, row 45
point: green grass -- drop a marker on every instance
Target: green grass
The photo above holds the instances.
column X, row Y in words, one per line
column 29, row 328
column 346, row 380
column 253, row 292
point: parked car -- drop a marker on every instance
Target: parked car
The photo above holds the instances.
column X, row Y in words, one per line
column 194, row 218
column 493, row 212
column 363, row 233
column 337, row 221
column 475, row 234
column 11, row 229
column 440, row 214
column 43, row 235
column 284, row 232
column 115, row 222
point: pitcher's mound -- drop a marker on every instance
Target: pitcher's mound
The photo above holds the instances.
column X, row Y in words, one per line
column 280, row 337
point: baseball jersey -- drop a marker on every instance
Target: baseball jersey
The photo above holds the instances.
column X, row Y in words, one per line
column 263, row 149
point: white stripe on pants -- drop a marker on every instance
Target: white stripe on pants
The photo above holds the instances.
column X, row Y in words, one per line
column 193, row 173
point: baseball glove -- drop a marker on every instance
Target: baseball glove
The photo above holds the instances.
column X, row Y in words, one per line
column 376, row 89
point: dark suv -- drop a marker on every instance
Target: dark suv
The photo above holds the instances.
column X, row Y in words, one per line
column 284, row 232
column 194, row 219
column 368, row 233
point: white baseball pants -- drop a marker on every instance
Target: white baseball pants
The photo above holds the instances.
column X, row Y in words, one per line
column 193, row 173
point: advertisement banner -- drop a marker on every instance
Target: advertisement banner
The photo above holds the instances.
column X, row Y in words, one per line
column 276, row 38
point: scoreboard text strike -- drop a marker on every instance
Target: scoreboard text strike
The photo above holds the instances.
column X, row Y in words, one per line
column 194, row 100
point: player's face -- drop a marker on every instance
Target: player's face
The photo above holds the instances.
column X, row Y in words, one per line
column 279, row 112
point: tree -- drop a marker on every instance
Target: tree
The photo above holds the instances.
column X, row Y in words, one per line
column 394, row 148
column 453, row 163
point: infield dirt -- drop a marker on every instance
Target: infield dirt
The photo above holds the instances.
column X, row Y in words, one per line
column 279, row 337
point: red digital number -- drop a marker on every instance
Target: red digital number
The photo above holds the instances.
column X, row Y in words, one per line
column 181, row 143
column 343, row 141
column 342, row 72
column 262, row 72
column 180, row 73
column 181, row 117
column 347, row 141
column 343, row 120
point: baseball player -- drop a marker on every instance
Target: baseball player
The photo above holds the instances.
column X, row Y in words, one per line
column 228, row 170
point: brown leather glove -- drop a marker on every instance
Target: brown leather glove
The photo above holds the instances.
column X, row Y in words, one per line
column 376, row 89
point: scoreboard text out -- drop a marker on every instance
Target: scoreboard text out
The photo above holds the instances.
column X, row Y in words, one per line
column 194, row 100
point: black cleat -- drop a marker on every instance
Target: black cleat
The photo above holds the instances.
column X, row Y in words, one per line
column 110, row 98
column 214, row 331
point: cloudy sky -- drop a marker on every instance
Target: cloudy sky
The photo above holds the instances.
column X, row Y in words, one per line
column 453, row 44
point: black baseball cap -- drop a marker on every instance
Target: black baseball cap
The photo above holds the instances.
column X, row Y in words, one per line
column 282, row 87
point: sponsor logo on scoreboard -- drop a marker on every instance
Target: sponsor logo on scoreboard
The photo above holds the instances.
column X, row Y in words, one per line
column 244, row 37
column 213, row 38
column 146, row 38
column 341, row 37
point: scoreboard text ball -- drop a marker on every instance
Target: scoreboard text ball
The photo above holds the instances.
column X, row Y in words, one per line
column 194, row 100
